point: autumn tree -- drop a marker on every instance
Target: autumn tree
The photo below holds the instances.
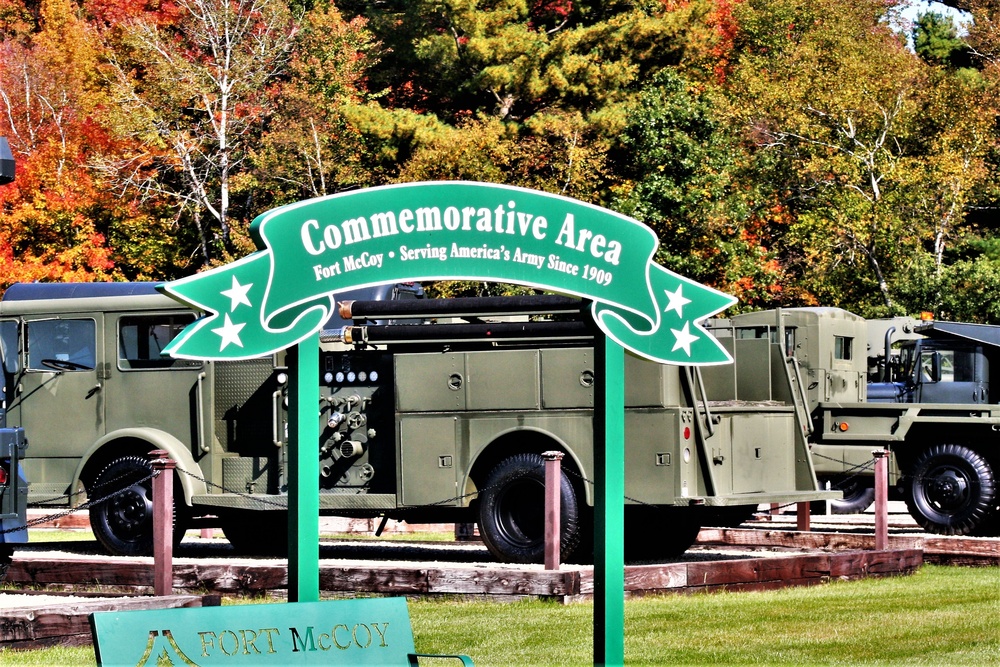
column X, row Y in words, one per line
column 193, row 96
column 55, row 220
column 310, row 147
column 830, row 94
column 557, row 71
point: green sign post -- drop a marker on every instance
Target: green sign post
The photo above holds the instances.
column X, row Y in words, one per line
column 280, row 297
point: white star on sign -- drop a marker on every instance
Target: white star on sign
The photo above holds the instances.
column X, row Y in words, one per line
column 677, row 301
column 230, row 333
column 684, row 339
column 238, row 294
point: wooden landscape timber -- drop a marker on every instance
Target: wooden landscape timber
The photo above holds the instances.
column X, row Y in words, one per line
column 64, row 623
column 938, row 550
column 501, row 582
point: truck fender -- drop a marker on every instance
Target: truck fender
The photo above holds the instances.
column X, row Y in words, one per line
column 156, row 439
column 570, row 458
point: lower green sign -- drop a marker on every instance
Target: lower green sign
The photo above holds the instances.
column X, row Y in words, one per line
column 372, row 631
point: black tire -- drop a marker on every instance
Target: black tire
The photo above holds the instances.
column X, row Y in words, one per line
column 512, row 511
column 660, row 533
column 123, row 524
column 257, row 533
column 951, row 490
column 6, row 558
column 730, row 516
column 858, row 494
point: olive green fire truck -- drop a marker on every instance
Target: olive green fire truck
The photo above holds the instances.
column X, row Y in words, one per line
column 430, row 411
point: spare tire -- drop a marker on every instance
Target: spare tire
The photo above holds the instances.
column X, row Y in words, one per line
column 512, row 511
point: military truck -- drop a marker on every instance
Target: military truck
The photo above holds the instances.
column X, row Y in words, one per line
column 423, row 422
column 13, row 484
column 7, row 164
column 84, row 374
column 13, row 495
column 450, row 419
column 919, row 388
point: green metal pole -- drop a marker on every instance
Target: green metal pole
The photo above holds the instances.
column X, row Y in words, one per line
column 609, row 504
column 303, row 471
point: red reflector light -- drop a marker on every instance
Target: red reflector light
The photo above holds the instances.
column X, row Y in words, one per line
column 3, row 475
column 687, row 432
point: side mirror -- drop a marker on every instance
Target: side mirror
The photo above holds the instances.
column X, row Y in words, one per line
column 930, row 367
column 936, row 367
column 6, row 162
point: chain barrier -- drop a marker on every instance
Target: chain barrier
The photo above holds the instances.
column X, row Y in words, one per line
column 845, row 477
column 69, row 496
column 83, row 506
column 843, row 480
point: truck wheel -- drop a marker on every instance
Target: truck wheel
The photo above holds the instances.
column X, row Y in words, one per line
column 659, row 533
column 950, row 490
column 512, row 511
column 6, row 558
column 257, row 533
column 123, row 524
column 858, row 495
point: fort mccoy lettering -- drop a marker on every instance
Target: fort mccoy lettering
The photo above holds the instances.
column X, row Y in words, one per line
column 264, row 645
column 261, row 641
column 502, row 222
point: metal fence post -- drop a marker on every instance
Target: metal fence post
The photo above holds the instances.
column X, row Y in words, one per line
column 881, row 499
column 803, row 521
column 553, row 519
column 163, row 522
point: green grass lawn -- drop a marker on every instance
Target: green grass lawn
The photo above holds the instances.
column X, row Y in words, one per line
column 938, row 616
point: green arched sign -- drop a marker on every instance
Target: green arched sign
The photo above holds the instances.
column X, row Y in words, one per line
column 280, row 295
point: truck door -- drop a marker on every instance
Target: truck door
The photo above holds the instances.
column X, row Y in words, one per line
column 952, row 375
column 57, row 397
column 145, row 389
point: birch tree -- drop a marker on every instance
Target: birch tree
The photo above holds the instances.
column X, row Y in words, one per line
column 193, row 96
column 831, row 94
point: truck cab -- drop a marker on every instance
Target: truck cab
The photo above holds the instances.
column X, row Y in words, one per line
column 935, row 371
column 921, row 391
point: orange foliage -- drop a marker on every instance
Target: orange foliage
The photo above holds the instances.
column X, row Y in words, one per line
column 724, row 24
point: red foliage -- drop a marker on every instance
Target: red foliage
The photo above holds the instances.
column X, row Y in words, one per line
column 116, row 12
column 547, row 14
column 724, row 24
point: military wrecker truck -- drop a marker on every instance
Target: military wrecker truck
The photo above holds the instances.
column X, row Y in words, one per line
column 424, row 422
column 919, row 388
column 13, row 483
